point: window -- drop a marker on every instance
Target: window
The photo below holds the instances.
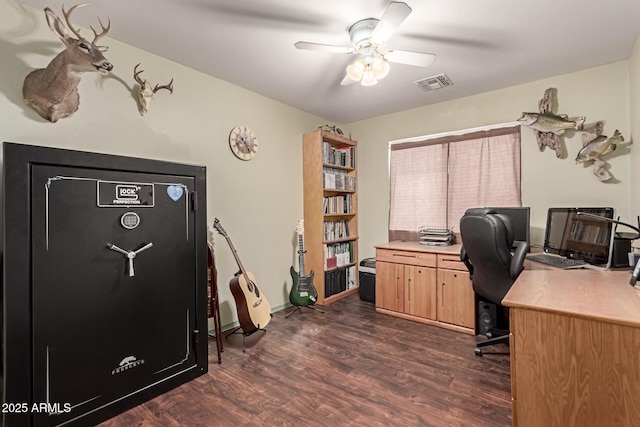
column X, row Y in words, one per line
column 434, row 181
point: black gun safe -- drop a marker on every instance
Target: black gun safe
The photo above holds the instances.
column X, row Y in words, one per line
column 104, row 302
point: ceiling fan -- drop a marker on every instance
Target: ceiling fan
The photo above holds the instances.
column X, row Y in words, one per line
column 368, row 36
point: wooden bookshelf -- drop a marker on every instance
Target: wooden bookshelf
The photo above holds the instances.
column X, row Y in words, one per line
column 330, row 199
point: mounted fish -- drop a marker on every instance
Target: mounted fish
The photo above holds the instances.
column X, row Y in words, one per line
column 551, row 123
column 548, row 126
column 594, row 149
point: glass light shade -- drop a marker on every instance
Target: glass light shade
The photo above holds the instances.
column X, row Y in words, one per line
column 368, row 77
column 380, row 68
column 355, row 70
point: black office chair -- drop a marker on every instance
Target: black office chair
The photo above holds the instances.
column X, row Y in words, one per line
column 487, row 239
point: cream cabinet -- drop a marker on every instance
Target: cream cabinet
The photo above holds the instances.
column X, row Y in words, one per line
column 410, row 289
column 456, row 299
column 391, row 295
column 425, row 284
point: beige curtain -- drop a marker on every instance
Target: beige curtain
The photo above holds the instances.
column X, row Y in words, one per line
column 433, row 182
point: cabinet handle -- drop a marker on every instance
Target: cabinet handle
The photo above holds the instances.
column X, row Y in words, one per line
column 404, row 256
column 442, row 299
column 409, row 289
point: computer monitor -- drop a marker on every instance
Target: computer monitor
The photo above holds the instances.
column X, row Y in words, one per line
column 520, row 218
column 580, row 237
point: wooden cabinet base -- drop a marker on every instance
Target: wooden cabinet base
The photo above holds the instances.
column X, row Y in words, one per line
column 336, row 297
column 431, row 322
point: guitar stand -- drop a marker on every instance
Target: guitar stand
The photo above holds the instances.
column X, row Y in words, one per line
column 298, row 307
column 214, row 303
column 244, row 335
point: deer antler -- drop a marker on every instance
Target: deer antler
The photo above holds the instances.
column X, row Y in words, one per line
column 136, row 75
column 104, row 32
column 145, row 92
column 67, row 15
column 168, row 87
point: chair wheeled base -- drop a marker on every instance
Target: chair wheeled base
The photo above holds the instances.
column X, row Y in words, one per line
column 503, row 339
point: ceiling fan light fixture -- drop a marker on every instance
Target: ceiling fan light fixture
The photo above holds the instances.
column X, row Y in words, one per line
column 380, row 68
column 368, row 72
column 356, row 69
column 368, row 77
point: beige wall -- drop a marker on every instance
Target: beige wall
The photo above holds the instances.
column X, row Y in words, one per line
column 258, row 202
column 600, row 93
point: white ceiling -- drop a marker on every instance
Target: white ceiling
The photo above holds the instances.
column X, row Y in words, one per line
column 481, row 45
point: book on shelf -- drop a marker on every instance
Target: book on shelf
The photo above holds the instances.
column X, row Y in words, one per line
column 334, row 230
column 351, row 247
column 329, row 180
column 331, row 263
column 342, row 280
column 337, row 179
column 338, row 254
column 338, row 280
column 342, row 204
column 351, row 277
column 344, row 156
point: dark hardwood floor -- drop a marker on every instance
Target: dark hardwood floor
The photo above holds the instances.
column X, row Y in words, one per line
column 349, row 366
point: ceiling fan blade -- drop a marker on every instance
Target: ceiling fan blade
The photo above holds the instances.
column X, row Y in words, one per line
column 395, row 15
column 323, row 47
column 418, row 59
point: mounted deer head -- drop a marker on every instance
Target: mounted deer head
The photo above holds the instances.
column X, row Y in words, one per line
column 145, row 93
column 53, row 91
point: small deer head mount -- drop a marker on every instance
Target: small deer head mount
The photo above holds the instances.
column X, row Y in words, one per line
column 53, row 91
column 145, row 92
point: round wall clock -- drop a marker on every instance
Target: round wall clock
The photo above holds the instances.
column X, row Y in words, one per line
column 243, row 142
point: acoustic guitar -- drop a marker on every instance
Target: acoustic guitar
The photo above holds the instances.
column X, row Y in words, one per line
column 254, row 311
column 303, row 293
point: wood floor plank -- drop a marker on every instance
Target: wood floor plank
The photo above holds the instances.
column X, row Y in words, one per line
column 349, row 366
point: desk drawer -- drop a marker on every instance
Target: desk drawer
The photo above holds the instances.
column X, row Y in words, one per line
column 451, row 262
column 406, row 257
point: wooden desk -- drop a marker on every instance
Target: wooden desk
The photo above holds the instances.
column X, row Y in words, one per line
column 575, row 348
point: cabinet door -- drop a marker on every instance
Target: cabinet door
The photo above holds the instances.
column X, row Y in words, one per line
column 456, row 300
column 390, row 286
column 420, row 291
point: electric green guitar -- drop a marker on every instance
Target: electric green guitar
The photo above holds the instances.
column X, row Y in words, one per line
column 303, row 293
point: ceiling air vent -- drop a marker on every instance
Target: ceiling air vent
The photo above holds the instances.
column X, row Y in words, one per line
column 434, row 82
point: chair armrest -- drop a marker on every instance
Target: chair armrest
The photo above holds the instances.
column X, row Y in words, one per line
column 465, row 258
column 517, row 262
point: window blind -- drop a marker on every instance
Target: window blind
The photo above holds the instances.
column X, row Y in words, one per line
column 434, row 181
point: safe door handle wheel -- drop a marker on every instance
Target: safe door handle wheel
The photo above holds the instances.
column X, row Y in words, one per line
column 129, row 254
